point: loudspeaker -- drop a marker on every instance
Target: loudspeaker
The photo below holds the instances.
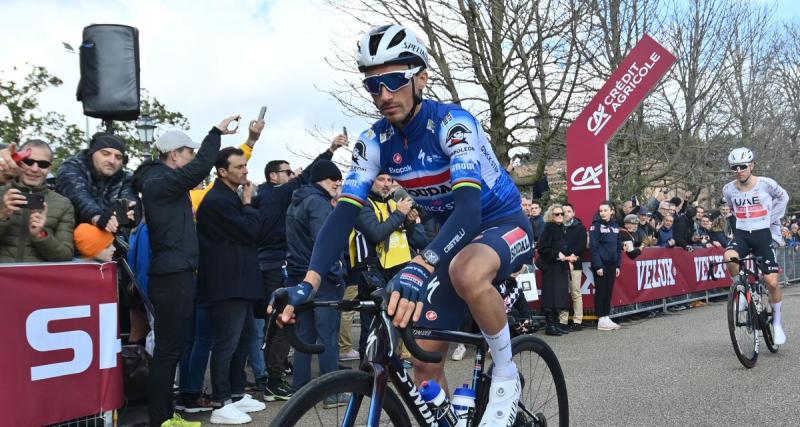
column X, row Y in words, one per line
column 109, row 84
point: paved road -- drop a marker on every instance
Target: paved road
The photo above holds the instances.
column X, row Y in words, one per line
column 677, row 369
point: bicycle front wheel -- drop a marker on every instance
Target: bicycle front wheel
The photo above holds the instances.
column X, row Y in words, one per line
column 743, row 325
column 543, row 401
column 340, row 398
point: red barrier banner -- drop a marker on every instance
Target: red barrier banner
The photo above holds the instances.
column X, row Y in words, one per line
column 60, row 359
column 658, row 273
column 587, row 157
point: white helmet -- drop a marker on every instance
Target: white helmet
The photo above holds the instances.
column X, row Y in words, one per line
column 740, row 156
column 390, row 44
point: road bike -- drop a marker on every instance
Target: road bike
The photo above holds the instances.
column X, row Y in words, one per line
column 367, row 399
column 749, row 311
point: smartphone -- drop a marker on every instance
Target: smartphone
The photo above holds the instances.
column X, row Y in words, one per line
column 35, row 201
column 344, row 130
column 233, row 126
column 262, row 113
column 121, row 208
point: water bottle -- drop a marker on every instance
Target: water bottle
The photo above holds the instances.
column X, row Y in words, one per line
column 464, row 404
column 432, row 393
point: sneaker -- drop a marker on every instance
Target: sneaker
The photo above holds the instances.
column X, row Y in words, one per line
column 177, row 421
column 280, row 390
column 604, row 324
column 350, row 355
column 574, row 327
column 407, row 364
column 613, row 325
column 458, row 353
column 229, row 414
column 341, row 399
column 501, row 410
column 193, row 403
column 248, row 404
column 778, row 336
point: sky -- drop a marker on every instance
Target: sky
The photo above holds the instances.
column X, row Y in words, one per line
column 209, row 59
column 205, row 59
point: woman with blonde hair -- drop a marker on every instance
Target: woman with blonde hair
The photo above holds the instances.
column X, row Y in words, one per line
column 552, row 247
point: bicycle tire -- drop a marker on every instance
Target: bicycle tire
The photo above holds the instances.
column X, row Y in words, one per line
column 311, row 396
column 741, row 321
column 534, row 375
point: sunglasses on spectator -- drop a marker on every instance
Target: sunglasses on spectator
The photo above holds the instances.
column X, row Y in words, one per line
column 392, row 81
column 558, row 213
column 288, row 172
column 738, row 167
column 43, row 164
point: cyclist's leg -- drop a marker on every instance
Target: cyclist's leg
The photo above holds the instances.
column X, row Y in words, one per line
column 431, row 371
column 762, row 241
column 737, row 248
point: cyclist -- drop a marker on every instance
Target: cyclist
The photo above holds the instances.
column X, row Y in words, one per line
column 758, row 203
column 439, row 153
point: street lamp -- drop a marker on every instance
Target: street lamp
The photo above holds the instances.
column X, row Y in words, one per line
column 145, row 127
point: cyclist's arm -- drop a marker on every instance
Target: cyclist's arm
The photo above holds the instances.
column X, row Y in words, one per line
column 780, row 200
column 336, row 230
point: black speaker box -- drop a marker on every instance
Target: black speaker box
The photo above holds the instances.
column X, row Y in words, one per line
column 109, row 85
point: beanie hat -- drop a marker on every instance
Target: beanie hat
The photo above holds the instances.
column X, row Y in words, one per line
column 103, row 140
column 324, row 169
column 90, row 240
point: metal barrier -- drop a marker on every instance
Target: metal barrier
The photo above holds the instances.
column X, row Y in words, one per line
column 788, row 259
column 99, row 420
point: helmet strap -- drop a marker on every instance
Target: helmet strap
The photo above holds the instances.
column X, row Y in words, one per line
column 417, row 99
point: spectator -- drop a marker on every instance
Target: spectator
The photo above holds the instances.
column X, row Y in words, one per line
column 554, row 263
column 537, row 221
column 8, row 167
column 664, row 208
column 646, row 227
column 629, row 234
column 383, row 239
column 38, row 234
column 526, row 206
column 625, row 208
column 165, row 184
column 272, row 202
column 725, row 212
column 310, row 205
column 93, row 243
column 575, row 233
column 665, row 233
column 716, row 231
column 94, row 179
column 228, row 279
column 682, row 225
column 606, row 247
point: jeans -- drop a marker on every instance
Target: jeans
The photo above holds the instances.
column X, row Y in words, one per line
column 233, row 329
column 256, row 356
column 172, row 296
column 195, row 356
column 320, row 325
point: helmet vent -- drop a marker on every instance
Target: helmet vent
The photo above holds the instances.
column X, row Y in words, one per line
column 397, row 38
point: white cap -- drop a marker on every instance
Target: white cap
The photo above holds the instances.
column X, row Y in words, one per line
column 173, row 140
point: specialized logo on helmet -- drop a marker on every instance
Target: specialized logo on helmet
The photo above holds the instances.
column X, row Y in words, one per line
column 359, row 151
column 457, row 135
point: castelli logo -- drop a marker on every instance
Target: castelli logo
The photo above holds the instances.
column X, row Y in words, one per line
column 397, row 158
column 431, row 315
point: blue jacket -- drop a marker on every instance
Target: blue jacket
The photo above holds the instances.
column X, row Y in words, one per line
column 310, row 206
column 605, row 243
column 664, row 235
column 272, row 202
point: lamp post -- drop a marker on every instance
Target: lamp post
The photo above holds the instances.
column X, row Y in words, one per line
column 145, row 128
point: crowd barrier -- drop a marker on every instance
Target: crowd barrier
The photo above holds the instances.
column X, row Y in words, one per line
column 660, row 278
column 61, row 356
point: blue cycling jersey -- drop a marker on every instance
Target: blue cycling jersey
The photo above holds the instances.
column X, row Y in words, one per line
column 441, row 149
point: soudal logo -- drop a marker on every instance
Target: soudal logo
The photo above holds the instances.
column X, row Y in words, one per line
column 702, row 267
column 433, row 190
column 655, row 273
column 518, row 242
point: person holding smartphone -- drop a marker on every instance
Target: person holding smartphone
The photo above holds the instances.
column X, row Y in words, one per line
column 36, row 224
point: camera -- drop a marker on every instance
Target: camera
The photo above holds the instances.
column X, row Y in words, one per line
column 35, row 201
column 121, row 208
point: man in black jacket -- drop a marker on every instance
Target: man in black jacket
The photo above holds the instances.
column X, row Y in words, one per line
column 94, row 179
column 228, row 280
column 575, row 235
column 311, row 204
column 272, row 201
column 682, row 228
column 165, row 185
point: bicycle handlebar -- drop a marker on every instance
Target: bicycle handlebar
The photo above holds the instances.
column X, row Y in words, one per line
column 757, row 259
column 376, row 305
